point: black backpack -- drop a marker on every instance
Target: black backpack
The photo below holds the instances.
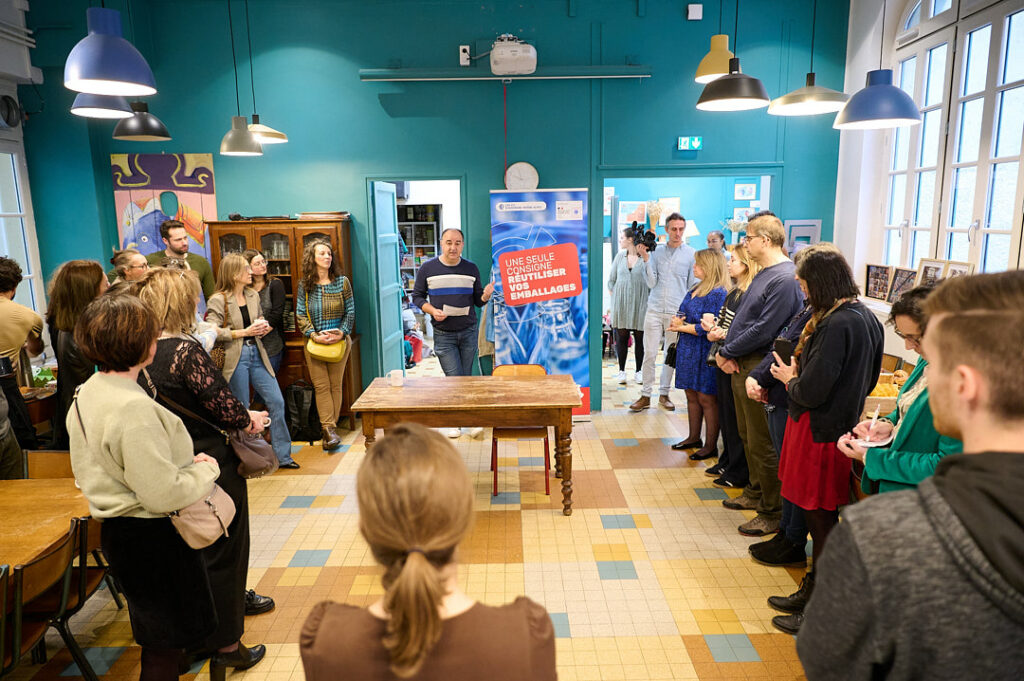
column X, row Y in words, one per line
column 300, row 412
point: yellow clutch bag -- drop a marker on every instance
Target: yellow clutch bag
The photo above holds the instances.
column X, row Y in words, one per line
column 332, row 353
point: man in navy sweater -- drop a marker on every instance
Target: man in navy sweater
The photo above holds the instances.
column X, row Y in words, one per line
column 448, row 289
column 773, row 298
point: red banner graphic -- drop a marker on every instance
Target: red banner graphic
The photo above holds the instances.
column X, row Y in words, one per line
column 540, row 274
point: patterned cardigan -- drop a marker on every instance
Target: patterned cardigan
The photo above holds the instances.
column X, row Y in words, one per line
column 327, row 306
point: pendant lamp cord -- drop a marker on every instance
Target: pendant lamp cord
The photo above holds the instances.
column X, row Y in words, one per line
column 720, row 11
column 736, row 31
column 504, row 107
column 234, row 63
column 248, row 37
column 814, row 22
column 131, row 24
column 881, row 38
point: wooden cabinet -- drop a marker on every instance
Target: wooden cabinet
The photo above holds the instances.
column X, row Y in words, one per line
column 282, row 242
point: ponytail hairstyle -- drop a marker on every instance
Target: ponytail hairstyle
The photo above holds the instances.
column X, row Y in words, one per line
column 415, row 507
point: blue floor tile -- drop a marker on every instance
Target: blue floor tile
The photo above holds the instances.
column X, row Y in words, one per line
column 626, row 442
column 710, row 494
column 531, row 461
column 731, row 648
column 505, row 498
column 561, row 622
column 297, row 448
column 297, row 502
column 618, row 522
column 310, row 558
column 670, row 440
column 616, row 569
column 100, row 659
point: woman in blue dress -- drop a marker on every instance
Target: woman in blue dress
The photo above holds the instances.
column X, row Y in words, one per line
column 693, row 374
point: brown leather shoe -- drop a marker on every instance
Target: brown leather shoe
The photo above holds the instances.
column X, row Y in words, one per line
column 643, row 403
column 331, row 439
column 666, row 403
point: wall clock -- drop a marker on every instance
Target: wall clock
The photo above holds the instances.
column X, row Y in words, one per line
column 521, row 176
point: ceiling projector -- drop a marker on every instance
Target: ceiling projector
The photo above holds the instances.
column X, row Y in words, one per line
column 510, row 56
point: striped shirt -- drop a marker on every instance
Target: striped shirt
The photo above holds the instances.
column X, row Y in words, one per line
column 329, row 306
column 457, row 287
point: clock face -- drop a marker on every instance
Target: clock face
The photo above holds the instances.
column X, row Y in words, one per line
column 521, row 176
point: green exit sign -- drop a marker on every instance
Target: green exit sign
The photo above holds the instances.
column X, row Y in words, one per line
column 691, row 143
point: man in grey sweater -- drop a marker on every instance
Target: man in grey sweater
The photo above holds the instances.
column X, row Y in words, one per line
column 929, row 583
column 669, row 276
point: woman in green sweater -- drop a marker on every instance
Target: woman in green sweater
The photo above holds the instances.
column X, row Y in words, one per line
column 916, row 447
column 133, row 460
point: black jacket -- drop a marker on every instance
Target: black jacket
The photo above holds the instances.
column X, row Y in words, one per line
column 839, row 366
column 73, row 369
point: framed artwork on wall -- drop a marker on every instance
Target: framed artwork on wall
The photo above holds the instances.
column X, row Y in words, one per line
column 877, row 281
column 740, row 214
column 745, row 192
column 903, row 279
column 930, row 272
column 958, row 269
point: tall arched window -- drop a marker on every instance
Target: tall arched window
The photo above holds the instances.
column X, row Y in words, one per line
column 955, row 188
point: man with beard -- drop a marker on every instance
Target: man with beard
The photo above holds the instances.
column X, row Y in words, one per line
column 929, row 583
column 175, row 238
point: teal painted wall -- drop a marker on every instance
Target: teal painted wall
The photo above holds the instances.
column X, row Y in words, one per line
column 344, row 132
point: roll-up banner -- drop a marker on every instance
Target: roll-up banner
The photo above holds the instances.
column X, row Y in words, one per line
column 540, row 265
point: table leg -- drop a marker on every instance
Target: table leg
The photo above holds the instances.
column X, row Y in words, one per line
column 563, row 458
column 368, row 428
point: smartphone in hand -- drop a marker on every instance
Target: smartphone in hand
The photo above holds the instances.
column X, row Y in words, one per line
column 784, row 348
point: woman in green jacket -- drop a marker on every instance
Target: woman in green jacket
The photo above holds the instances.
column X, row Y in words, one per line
column 916, row 446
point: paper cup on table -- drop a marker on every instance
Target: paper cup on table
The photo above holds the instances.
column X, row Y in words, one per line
column 395, row 378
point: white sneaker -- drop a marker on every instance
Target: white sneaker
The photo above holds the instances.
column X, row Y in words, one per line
column 639, row 378
column 621, row 377
column 476, row 433
column 454, row 433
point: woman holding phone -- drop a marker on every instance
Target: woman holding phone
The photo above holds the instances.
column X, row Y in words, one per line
column 835, row 365
column 326, row 313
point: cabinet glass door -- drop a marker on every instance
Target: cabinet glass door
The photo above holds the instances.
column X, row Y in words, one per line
column 276, row 247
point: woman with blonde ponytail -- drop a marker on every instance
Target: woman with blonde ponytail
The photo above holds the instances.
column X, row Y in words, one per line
column 415, row 508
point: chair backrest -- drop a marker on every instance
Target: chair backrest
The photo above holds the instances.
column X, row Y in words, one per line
column 49, row 463
column 891, row 363
column 519, row 370
column 4, row 620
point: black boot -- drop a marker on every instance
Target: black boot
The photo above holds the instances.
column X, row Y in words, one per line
column 796, row 601
column 788, row 624
column 779, row 552
column 240, row 659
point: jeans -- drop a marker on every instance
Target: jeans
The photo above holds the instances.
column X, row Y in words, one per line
column 456, row 350
column 792, row 524
column 250, row 369
column 656, row 329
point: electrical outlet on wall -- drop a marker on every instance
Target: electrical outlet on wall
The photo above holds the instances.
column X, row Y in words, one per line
column 463, row 55
column 694, row 11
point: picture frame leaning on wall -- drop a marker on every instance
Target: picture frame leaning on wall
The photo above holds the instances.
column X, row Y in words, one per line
column 876, row 281
column 930, row 272
column 903, row 279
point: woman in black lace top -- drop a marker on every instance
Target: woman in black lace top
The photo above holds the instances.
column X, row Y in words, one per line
column 183, row 374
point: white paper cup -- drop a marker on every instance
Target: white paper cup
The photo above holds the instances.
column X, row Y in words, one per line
column 395, row 378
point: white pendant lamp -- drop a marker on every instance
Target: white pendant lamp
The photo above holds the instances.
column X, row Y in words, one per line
column 880, row 105
column 238, row 141
column 734, row 91
column 264, row 134
column 811, row 99
column 715, row 63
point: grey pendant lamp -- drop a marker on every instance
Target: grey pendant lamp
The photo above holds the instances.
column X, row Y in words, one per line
column 142, row 126
column 734, row 91
column 264, row 134
column 811, row 99
column 238, row 141
column 715, row 63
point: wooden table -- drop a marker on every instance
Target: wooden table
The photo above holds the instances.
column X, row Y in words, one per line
column 36, row 515
column 485, row 401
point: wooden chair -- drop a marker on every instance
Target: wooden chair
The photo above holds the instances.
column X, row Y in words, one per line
column 891, row 363
column 23, row 630
column 48, row 464
column 531, row 432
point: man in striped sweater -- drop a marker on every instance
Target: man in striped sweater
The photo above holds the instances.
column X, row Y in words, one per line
column 448, row 288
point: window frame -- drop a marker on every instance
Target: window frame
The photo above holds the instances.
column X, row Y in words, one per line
column 33, row 276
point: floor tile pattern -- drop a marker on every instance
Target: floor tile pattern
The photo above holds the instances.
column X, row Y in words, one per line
column 648, row 579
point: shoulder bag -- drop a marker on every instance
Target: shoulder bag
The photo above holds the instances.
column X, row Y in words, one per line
column 332, row 353
column 202, row 522
column 255, row 455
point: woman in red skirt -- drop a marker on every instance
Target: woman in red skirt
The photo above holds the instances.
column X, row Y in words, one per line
column 834, row 366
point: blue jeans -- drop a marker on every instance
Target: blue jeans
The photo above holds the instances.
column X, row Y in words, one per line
column 456, row 350
column 250, row 369
column 792, row 523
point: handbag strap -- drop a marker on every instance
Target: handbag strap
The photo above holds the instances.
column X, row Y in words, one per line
column 171, row 404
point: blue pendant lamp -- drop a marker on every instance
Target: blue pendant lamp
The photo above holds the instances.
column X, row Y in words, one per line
column 734, row 91
column 238, row 141
column 104, row 63
column 100, row 106
column 880, row 104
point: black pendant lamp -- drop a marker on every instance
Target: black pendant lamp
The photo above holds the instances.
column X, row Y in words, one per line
column 142, row 126
column 735, row 91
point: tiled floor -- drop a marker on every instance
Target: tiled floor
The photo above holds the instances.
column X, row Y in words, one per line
column 648, row 579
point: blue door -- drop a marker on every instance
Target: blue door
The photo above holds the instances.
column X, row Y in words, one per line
column 389, row 283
